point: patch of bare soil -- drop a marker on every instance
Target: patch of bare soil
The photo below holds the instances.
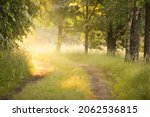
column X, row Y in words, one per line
column 98, row 83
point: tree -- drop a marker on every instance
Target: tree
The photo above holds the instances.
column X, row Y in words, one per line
column 147, row 33
column 15, row 21
column 58, row 14
column 115, row 22
column 111, row 41
column 86, row 20
column 135, row 32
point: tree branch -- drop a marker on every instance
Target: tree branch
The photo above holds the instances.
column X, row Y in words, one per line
column 92, row 11
column 101, row 2
column 83, row 11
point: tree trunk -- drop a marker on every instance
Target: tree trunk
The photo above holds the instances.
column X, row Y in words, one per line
column 135, row 33
column 59, row 39
column 127, row 50
column 86, row 28
column 147, row 34
column 111, row 42
column 86, row 41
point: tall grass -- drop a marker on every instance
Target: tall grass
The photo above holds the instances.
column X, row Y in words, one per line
column 14, row 67
column 127, row 80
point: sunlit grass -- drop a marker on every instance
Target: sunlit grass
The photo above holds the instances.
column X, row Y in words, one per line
column 41, row 65
column 75, row 82
column 67, row 81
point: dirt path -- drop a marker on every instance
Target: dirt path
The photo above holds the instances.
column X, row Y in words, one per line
column 98, row 84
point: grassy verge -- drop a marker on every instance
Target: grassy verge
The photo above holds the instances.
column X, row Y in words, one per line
column 14, row 68
column 66, row 81
column 127, row 80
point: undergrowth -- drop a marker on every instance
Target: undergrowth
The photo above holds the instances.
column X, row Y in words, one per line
column 14, row 68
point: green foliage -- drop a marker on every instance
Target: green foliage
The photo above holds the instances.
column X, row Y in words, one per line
column 58, row 11
column 15, row 21
column 54, row 12
column 96, row 40
column 140, row 3
column 14, row 67
column 86, row 14
column 116, row 13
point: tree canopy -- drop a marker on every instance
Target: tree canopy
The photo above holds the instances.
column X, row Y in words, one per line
column 111, row 23
column 15, row 21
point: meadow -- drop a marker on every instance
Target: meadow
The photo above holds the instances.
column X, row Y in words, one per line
column 128, row 81
column 63, row 76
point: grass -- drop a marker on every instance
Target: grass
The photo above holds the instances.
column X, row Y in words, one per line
column 14, row 68
column 127, row 80
column 67, row 81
